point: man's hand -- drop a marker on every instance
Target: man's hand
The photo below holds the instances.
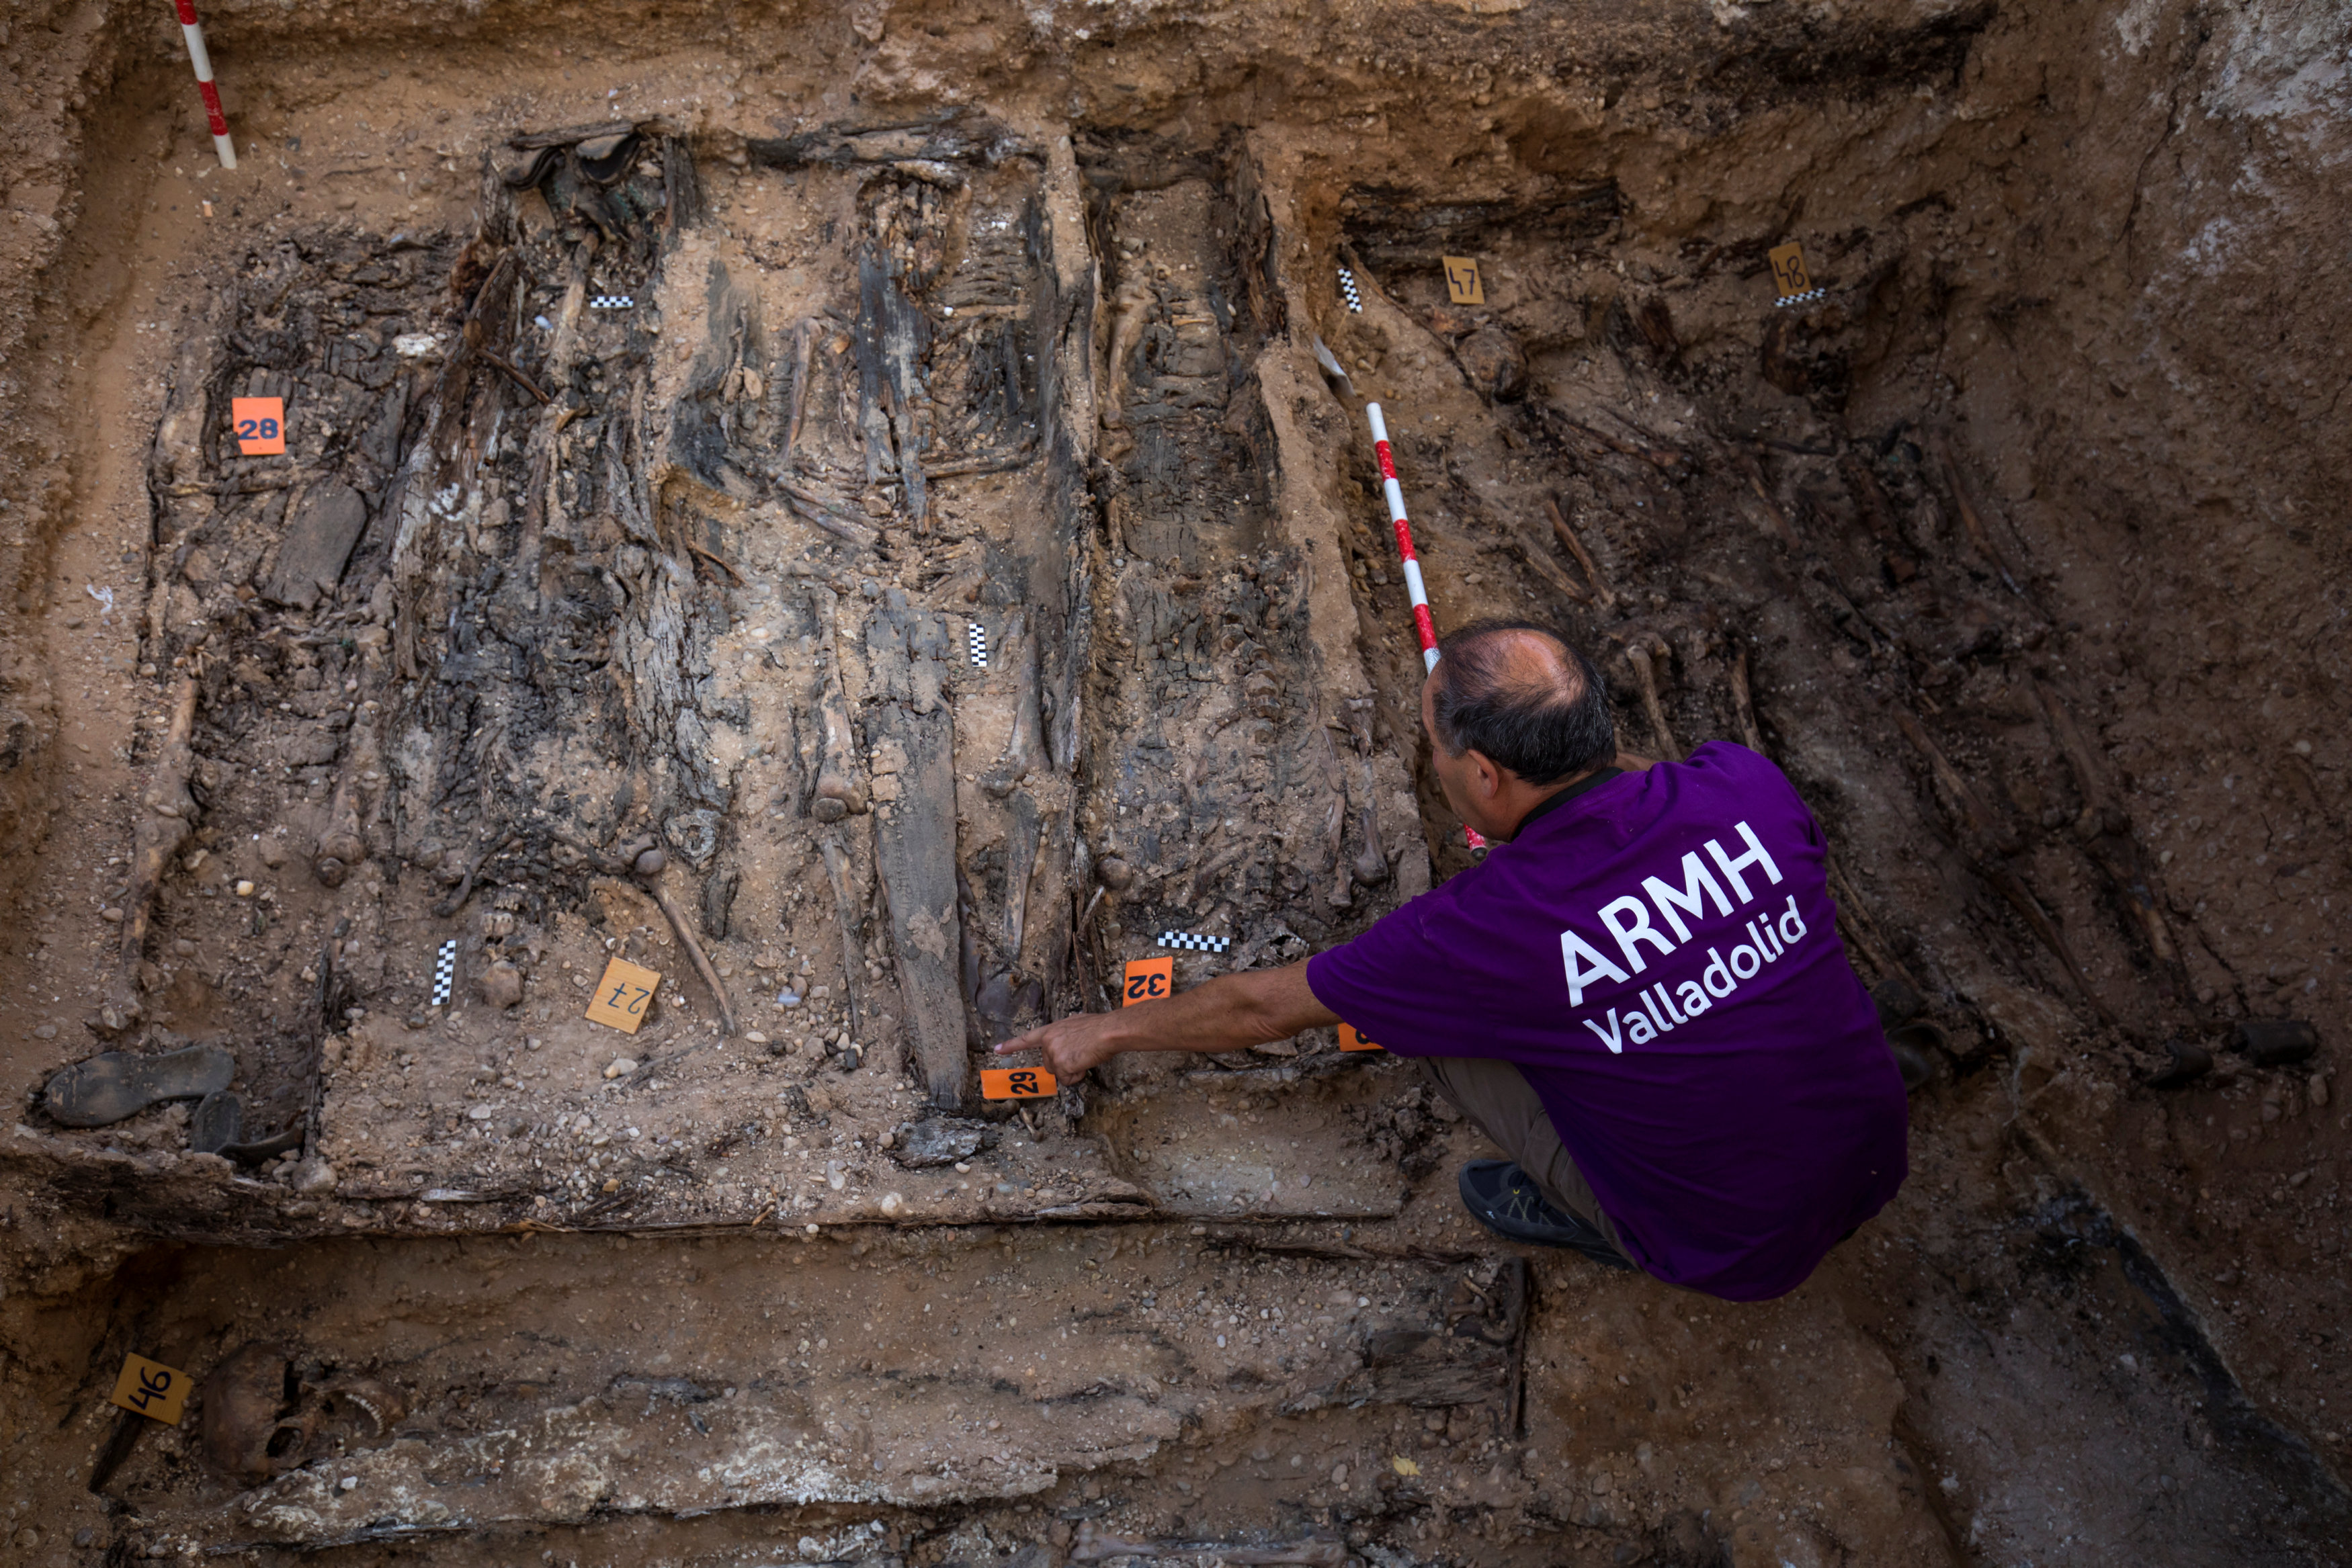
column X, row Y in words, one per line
column 1075, row 1043
column 1232, row 1012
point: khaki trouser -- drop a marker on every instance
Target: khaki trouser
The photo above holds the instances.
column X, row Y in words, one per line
column 1497, row 1098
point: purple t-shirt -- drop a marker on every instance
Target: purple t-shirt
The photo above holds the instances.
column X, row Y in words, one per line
column 1660, row 956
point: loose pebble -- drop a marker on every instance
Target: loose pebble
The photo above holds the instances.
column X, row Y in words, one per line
column 479, row 1114
column 622, row 1066
column 244, row 889
column 892, row 1203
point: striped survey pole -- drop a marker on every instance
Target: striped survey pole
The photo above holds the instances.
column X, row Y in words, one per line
column 1414, row 590
column 1404, row 525
column 193, row 31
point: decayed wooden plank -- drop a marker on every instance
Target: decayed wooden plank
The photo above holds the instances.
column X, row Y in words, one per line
column 915, row 840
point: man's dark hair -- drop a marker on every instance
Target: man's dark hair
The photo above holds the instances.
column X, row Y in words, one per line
column 1543, row 729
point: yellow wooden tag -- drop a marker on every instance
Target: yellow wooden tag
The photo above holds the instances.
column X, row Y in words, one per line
column 623, row 996
column 1016, row 1083
column 150, row 1388
column 1462, row 285
column 259, row 423
column 1353, row 1039
column 1148, row 979
column 1789, row 268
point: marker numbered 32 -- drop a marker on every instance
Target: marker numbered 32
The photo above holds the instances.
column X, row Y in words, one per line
column 1148, row 980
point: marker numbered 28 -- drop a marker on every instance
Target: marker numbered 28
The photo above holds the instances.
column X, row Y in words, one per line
column 259, row 426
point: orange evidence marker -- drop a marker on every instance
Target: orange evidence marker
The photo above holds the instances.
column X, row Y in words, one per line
column 1351, row 1038
column 1463, row 286
column 1148, row 980
column 623, row 996
column 1016, row 1083
column 259, row 423
column 150, row 1388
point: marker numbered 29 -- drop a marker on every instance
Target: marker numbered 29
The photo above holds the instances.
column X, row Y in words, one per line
column 1017, row 1083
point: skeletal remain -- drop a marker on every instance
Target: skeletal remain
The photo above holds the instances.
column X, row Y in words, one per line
column 1754, row 473
column 1020, row 861
column 961, row 467
column 1987, row 840
column 1022, row 749
column 2106, row 832
column 1536, row 561
column 1864, row 485
column 1971, row 522
column 840, row 792
column 844, row 906
column 1644, row 653
column 1335, row 784
column 1314, row 1552
column 1984, row 836
column 327, row 951
column 1749, row 735
column 827, row 515
column 465, row 885
column 1567, row 537
column 803, row 338
column 1231, row 855
column 648, row 864
column 164, row 823
column 1371, row 866
column 475, row 341
column 1130, row 306
column 1861, row 930
column 341, row 845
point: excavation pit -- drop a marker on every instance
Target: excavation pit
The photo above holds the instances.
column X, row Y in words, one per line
column 850, row 521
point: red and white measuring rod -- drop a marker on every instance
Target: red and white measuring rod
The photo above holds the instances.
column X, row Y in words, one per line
column 195, row 32
column 1413, row 587
column 1404, row 525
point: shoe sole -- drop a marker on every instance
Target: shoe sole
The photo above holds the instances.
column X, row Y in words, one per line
column 115, row 1084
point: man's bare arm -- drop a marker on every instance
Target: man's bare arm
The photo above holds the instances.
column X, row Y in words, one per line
column 1232, row 1012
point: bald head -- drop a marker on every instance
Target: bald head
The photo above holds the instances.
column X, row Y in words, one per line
column 1514, row 691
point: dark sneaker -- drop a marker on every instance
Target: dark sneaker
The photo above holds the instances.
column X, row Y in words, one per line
column 1505, row 1200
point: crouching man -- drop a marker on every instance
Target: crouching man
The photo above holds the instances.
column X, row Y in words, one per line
column 1639, row 995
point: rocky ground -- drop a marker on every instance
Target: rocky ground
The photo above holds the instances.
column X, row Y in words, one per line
column 842, row 513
